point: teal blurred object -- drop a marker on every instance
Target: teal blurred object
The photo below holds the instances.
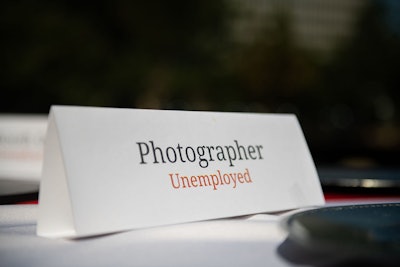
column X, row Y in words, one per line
column 351, row 235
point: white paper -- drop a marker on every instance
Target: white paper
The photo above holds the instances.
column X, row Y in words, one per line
column 21, row 152
column 21, row 146
column 99, row 164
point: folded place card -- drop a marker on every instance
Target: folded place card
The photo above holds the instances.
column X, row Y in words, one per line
column 21, row 153
column 107, row 170
column 21, row 146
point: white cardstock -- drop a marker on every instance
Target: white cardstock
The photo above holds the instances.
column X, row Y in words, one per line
column 21, row 147
column 107, row 170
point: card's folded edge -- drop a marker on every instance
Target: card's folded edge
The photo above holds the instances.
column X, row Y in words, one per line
column 55, row 218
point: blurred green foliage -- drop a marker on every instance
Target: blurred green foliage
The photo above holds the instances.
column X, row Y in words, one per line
column 183, row 55
column 117, row 53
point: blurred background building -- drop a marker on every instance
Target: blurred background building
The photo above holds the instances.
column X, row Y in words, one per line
column 333, row 63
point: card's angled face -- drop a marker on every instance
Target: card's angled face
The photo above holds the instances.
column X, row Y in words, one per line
column 125, row 168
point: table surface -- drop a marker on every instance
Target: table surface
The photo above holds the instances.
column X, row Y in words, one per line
column 250, row 241
column 243, row 241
